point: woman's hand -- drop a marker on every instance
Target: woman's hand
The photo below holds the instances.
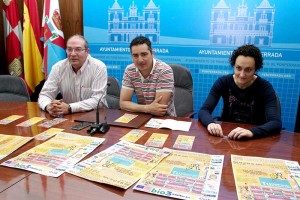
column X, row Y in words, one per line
column 215, row 129
column 239, row 133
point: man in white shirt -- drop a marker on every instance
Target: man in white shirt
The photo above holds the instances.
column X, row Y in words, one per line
column 80, row 78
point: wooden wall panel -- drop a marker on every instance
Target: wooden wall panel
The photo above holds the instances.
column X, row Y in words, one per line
column 71, row 14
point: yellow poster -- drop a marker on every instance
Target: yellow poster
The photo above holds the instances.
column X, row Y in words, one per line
column 48, row 133
column 133, row 135
column 120, row 165
column 54, row 156
column 10, row 143
column 11, row 118
column 126, row 118
column 265, row 178
column 185, row 175
column 31, row 121
column 184, row 142
column 156, row 140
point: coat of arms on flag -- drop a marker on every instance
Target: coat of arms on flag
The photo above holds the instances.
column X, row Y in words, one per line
column 54, row 46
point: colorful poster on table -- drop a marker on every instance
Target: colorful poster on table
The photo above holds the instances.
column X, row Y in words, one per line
column 185, row 175
column 265, row 178
column 120, row 165
column 54, row 156
column 10, row 143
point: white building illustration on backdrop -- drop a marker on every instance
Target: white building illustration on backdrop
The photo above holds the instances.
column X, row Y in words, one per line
column 234, row 29
column 123, row 27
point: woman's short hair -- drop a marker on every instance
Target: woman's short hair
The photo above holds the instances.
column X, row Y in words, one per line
column 250, row 51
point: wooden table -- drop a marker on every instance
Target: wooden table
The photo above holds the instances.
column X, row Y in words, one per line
column 19, row 184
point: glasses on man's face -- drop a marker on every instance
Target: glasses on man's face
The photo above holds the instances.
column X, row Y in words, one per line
column 76, row 50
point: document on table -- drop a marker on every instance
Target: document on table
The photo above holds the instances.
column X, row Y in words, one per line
column 169, row 123
column 184, row 142
column 133, row 135
column 10, row 119
column 31, row 121
column 48, row 133
column 54, row 156
column 185, row 175
column 264, row 178
column 10, row 143
column 52, row 122
column 126, row 118
column 120, row 165
column 156, row 140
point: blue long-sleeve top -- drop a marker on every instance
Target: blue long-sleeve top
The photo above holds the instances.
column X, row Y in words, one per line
column 256, row 104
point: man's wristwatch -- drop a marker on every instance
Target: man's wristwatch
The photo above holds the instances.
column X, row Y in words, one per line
column 70, row 109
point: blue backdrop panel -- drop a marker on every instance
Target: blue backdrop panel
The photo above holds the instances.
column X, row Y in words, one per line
column 201, row 35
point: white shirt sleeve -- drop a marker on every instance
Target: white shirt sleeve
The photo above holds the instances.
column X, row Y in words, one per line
column 50, row 88
column 82, row 90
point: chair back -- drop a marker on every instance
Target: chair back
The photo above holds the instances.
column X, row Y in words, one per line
column 278, row 104
column 183, row 98
column 13, row 88
column 113, row 93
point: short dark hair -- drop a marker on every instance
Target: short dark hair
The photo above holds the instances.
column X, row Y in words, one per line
column 141, row 40
column 248, row 50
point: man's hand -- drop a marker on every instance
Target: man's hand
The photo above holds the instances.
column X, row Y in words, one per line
column 215, row 129
column 155, row 108
column 239, row 133
column 57, row 108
